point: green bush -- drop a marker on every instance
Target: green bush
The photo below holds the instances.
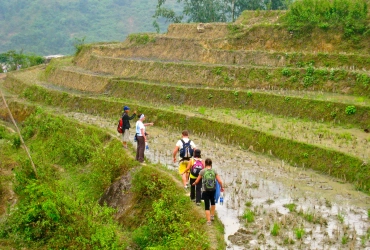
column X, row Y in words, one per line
column 59, row 210
column 166, row 223
column 350, row 110
column 348, row 15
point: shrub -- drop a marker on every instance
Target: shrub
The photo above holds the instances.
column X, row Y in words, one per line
column 350, row 110
column 286, row 72
column 166, row 221
column 349, row 15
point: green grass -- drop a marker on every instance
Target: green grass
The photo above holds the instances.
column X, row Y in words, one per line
column 248, row 215
column 248, row 203
column 299, row 232
column 75, row 164
column 291, row 207
column 275, row 229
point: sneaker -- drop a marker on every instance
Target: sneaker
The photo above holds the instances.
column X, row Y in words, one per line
column 198, row 203
column 212, row 217
column 186, row 187
column 209, row 223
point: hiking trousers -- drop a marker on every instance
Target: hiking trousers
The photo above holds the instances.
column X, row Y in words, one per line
column 140, row 148
column 195, row 191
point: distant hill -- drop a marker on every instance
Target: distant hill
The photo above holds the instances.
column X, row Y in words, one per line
column 51, row 26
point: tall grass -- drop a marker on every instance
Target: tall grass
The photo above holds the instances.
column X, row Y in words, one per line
column 59, row 210
column 348, row 15
column 76, row 164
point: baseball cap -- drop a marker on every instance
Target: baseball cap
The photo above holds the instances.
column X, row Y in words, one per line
column 126, row 108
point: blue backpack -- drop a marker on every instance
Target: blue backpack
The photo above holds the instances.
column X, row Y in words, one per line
column 186, row 152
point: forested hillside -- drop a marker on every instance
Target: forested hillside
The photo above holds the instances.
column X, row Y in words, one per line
column 52, row 26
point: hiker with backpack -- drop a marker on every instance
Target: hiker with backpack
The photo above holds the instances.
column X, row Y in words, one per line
column 126, row 125
column 186, row 148
column 141, row 136
column 195, row 165
column 209, row 176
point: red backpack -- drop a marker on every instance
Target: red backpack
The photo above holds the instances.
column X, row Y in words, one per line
column 120, row 128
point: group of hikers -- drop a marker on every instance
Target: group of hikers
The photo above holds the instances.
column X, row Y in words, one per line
column 204, row 181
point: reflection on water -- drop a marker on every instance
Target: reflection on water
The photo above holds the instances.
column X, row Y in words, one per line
column 329, row 212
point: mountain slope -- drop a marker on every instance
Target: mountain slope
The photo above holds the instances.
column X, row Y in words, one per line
column 51, row 27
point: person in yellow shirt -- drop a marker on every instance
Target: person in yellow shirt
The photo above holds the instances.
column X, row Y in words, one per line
column 195, row 165
column 181, row 145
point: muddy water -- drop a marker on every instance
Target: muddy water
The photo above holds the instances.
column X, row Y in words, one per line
column 336, row 210
column 332, row 215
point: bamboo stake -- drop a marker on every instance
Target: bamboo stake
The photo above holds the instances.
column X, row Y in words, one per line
column 19, row 133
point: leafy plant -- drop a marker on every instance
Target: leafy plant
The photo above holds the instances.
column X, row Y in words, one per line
column 345, row 239
column 286, row 72
column 350, row 110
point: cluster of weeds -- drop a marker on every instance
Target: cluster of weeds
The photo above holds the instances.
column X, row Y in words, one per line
column 299, row 232
column 291, row 207
column 248, row 215
column 275, row 229
column 140, row 38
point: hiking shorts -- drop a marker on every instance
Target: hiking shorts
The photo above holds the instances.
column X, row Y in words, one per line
column 183, row 165
column 126, row 135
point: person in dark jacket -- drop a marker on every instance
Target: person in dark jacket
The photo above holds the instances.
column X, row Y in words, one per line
column 126, row 125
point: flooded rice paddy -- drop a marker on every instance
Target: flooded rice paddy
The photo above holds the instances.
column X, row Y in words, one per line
column 323, row 213
column 269, row 204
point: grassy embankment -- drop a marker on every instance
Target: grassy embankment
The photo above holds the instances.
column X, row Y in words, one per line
column 75, row 163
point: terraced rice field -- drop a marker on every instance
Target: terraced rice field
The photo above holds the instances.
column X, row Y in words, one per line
column 287, row 130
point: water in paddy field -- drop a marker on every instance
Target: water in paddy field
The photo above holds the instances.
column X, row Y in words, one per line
column 332, row 215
